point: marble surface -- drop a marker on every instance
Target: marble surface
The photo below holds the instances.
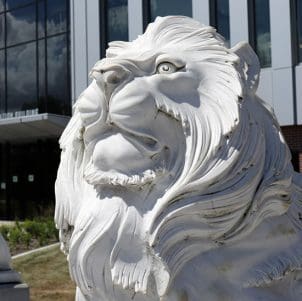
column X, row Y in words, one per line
column 175, row 182
column 7, row 275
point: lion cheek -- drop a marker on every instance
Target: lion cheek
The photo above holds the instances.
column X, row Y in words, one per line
column 133, row 106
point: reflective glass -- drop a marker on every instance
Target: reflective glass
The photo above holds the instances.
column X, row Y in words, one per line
column 299, row 24
column 41, row 19
column 57, row 74
column 21, row 25
column 117, row 27
column 170, row 7
column 21, row 78
column 1, row 5
column 263, row 32
column 223, row 18
column 15, row 3
column 2, row 82
column 42, row 86
column 56, row 16
column 2, row 30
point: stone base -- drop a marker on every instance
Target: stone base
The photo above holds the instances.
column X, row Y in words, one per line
column 14, row 292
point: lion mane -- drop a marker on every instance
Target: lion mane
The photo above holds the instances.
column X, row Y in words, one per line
column 232, row 172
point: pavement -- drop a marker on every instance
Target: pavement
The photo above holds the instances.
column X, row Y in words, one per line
column 57, row 244
column 7, row 223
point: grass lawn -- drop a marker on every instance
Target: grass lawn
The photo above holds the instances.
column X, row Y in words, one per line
column 47, row 275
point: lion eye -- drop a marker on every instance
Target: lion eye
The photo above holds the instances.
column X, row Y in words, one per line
column 166, row 68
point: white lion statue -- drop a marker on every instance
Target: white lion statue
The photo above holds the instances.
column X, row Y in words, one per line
column 175, row 182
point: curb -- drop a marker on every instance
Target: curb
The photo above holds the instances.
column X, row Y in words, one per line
column 36, row 250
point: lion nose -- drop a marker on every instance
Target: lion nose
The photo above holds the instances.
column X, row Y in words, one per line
column 110, row 77
column 114, row 76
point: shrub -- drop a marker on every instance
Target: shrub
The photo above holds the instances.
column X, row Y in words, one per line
column 14, row 236
column 37, row 232
column 4, row 231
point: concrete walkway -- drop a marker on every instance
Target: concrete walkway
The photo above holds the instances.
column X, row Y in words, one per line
column 57, row 244
column 7, row 223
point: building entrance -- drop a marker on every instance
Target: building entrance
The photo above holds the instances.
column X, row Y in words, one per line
column 28, row 173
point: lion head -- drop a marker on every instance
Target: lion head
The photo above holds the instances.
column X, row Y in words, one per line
column 169, row 153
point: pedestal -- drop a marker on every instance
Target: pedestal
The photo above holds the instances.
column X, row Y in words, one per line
column 14, row 292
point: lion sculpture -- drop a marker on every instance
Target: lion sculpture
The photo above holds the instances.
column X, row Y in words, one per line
column 175, row 182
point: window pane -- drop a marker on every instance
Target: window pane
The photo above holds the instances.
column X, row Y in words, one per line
column 2, row 5
column 42, row 86
column 117, row 27
column 21, row 78
column 14, row 3
column 299, row 24
column 2, row 82
column 57, row 75
column 41, row 19
column 56, row 16
column 21, row 25
column 2, row 31
column 170, row 7
column 262, row 32
column 223, row 18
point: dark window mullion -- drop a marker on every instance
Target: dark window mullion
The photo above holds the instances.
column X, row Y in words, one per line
column 298, row 29
column 294, row 31
column 5, row 61
column 251, row 23
column 66, row 111
column 146, row 13
column 37, row 59
column 213, row 13
column 45, row 56
column 103, row 26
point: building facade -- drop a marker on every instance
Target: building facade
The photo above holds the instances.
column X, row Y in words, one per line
column 47, row 48
column 35, row 102
column 272, row 27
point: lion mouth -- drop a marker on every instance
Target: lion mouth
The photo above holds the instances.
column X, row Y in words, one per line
column 125, row 159
column 97, row 177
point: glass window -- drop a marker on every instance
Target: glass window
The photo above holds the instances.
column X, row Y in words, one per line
column 117, row 20
column 2, row 16
column 21, row 25
column 56, row 16
column 2, row 82
column 41, row 19
column 221, row 18
column 170, row 7
column 262, row 33
column 41, row 79
column 21, row 80
column 15, row 3
column 37, row 68
column 299, row 29
column 57, row 74
column 1, row 5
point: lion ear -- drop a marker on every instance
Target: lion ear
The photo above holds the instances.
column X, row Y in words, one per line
column 249, row 65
